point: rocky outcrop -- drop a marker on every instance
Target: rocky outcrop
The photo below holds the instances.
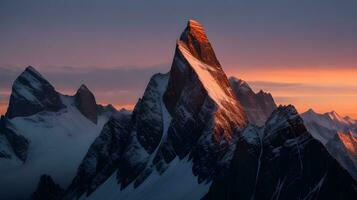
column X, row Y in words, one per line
column 198, row 44
column 258, row 106
column 86, row 104
column 5, row 148
column 47, row 189
column 31, row 93
column 18, row 143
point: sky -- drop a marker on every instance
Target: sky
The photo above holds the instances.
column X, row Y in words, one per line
column 302, row 51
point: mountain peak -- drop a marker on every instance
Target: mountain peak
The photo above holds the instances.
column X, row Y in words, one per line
column 310, row 112
column 197, row 79
column 197, row 29
column 196, row 41
column 86, row 104
column 32, row 93
column 30, row 69
column 334, row 115
column 83, row 88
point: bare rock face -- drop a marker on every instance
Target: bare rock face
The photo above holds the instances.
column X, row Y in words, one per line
column 16, row 143
column 198, row 44
column 31, row 93
column 86, row 104
column 47, row 189
column 258, row 106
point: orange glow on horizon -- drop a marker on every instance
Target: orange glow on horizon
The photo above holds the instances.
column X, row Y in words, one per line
column 126, row 106
column 323, row 90
column 3, row 108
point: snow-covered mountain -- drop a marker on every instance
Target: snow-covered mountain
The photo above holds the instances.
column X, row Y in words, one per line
column 258, row 106
column 45, row 132
column 189, row 138
column 184, row 126
column 193, row 135
column 331, row 121
column 338, row 134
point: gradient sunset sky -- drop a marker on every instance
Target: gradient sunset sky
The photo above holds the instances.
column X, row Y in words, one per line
column 303, row 52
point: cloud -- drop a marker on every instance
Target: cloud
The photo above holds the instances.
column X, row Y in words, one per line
column 267, row 84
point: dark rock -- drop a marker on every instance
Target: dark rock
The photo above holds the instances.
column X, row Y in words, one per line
column 196, row 40
column 31, row 93
column 5, row 148
column 18, row 143
column 47, row 189
column 86, row 104
column 146, row 132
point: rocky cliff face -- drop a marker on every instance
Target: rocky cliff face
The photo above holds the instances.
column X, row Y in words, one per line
column 258, row 106
column 31, row 93
column 12, row 142
column 283, row 161
column 86, row 104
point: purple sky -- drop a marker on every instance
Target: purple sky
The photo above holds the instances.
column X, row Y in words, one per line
column 115, row 46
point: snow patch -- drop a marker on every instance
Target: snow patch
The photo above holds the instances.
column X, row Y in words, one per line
column 203, row 72
column 176, row 183
column 58, row 143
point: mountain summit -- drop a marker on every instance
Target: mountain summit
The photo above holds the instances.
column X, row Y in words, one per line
column 195, row 66
column 196, row 41
column 31, row 93
column 86, row 104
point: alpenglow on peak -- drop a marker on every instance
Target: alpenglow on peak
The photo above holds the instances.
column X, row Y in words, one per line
column 196, row 41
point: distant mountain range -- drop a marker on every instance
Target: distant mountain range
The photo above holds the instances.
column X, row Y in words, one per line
column 194, row 134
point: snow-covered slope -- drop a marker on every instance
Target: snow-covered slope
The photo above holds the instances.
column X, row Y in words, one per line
column 338, row 134
column 58, row 139
column 330, row 120
column 176, row 183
